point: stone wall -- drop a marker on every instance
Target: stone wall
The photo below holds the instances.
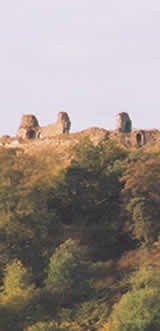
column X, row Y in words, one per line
column 136, row 138
column 30, row 129
column 61, row 126
column 57, row 134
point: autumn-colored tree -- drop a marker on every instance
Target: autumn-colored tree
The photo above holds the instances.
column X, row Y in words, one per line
column 26, row 226
column 17, row 282
column 141, row 196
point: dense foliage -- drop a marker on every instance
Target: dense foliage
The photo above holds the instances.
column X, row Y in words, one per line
column 80, row 239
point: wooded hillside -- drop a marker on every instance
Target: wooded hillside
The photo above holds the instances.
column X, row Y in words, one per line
column 80, row 239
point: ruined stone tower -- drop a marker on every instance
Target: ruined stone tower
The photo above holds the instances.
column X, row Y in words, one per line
column 62, row 125
column 29, row 127
column 123, row 123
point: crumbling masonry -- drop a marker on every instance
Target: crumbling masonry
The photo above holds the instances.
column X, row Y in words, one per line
column 30, row 131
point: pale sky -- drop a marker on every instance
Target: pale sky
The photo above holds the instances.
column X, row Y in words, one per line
column 90, row 58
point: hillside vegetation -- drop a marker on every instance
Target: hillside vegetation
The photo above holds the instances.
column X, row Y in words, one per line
column 80, row 239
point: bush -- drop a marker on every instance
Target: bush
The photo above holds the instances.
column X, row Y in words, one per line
column 45, row 326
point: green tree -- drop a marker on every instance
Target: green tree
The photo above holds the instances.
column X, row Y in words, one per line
column 138, row 309
column 16, row 294
column 87, row 194
column 68, row 272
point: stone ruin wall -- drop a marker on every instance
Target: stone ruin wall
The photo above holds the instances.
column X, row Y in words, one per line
column 62, row 125
column 30, row 131
column 123, row 123
column 29, row 128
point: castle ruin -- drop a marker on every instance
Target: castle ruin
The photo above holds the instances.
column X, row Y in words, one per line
column 62, row 125
column 29, row 127
column 31, row 131
column 123, row 123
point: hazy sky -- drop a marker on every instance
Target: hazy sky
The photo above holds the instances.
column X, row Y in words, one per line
column 90, row 58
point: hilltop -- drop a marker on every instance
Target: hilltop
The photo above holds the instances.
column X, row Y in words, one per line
column 32, row 138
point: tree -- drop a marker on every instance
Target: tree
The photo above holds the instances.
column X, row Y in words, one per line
column 67, row 272
column 16, row 294
column 141, row 195
column 87, row 194
column 138, row 309
column 17, row 281
column 26, row 226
